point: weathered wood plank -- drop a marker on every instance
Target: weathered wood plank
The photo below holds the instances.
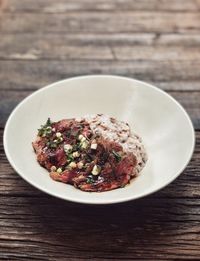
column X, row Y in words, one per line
column 29, row 82
column 2, row 5
column 30, row 76
column 11, row 41
column 178, row 85
column 34, row 74
column 46, row 228
column 156, row 53
column 101, row 22
column 30, row 47
column 39, row 234
column 50, row 6
column 52, row 49
column 15, row 42
column 178, row 39
column 190, row 100
column 8, row 101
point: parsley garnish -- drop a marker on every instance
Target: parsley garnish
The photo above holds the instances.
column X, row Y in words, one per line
column 51, row 144
column 90, row 180
column 48, row 123
column 117, row 156
column 70, row 157
column 76, row 146
column 45, row 130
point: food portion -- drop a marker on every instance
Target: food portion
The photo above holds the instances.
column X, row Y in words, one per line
column 94, row 153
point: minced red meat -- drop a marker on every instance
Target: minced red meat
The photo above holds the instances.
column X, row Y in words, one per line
column 73, row 154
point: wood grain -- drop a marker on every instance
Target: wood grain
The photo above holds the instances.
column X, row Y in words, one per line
column 153, row 40
column 2, row 5
column 11, row 42
column 95, row 22
column 51, row 47
column 118, row 225
column 25, row 73
column 50, row 6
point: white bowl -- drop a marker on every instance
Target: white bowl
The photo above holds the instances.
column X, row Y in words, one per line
column 160, row 120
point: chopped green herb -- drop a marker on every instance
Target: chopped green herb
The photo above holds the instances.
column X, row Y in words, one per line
column 76, row 147
column 45, row 130
column 90, row 180
column 51, row 144
column 117, row 156
column 48, row 123
column 70, row 157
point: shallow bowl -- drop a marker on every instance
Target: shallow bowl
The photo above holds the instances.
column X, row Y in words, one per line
column 163, row 124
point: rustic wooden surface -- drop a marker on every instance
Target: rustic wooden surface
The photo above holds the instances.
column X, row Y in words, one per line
column 46, row 40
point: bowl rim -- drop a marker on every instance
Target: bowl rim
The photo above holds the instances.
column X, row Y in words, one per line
column 118, row 200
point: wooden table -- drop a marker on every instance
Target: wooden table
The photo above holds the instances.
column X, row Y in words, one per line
column 46, row 40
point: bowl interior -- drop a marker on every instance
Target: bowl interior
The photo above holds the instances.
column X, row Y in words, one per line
column 162, row 123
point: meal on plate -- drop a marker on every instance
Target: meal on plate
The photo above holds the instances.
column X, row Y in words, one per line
column 94, row 153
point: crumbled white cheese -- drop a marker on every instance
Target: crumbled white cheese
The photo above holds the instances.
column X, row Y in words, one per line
column 84, row 144
column 96, row 170
column 80, row 137
column 59, row 170
column 80, row 165
column 67, row 147
column 72, row 165
column 58, row 134
column 76, row 154
column 93, row 146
